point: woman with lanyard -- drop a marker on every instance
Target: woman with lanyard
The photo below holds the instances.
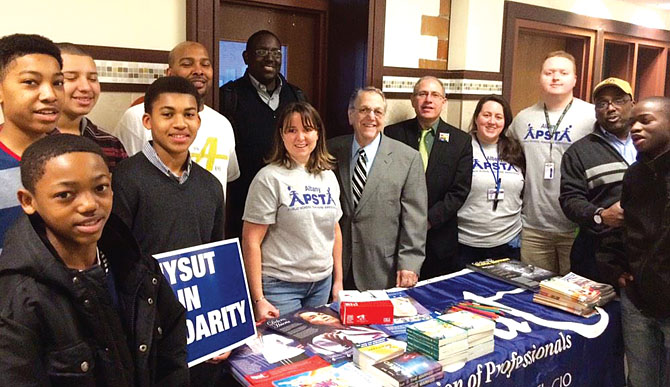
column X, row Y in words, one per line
column 489, row 222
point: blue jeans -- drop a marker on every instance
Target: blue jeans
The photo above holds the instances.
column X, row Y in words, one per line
column 291, row 296
column 647, row 344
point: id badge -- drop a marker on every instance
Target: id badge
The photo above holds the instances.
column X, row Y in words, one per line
column 548, row 171
column 491, row 194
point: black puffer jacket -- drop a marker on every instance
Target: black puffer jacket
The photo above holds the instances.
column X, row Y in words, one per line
column 60, row 327
column 646, row 203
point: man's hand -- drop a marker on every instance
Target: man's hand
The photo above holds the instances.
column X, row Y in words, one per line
column 264, row 309
column 406, row 279
column 625, row 279
column 613, row 215
column 219, row 359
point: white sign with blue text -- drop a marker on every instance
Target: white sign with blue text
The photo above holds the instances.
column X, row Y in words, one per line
column 210, row 282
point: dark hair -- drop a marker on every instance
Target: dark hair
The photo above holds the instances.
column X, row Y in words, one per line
column 171, row 84
column 71, row 49
column 257, row 35
column 509, row 149
column 16, row 45
column 35, row 157
column 320, row 159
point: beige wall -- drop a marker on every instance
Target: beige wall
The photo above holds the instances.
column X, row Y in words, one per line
column 148, row 24
column 475, row 40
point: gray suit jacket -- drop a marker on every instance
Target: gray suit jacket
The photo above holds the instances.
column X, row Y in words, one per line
column 387, row 231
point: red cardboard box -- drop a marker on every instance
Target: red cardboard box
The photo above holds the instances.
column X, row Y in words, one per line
column 366, row 312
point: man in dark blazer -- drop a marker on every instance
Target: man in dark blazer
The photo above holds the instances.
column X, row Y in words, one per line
column 384, row 209
column 447, row 160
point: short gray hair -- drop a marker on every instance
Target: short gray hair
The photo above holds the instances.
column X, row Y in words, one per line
column 367, row 89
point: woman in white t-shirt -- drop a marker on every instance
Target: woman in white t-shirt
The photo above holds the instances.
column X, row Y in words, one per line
column 291, row 237
column 489, row 222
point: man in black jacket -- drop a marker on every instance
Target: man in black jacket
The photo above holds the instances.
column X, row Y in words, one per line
column 591, row 173
column 80, row 305
column 447, row 158
column 644, row 274
column 252, row 104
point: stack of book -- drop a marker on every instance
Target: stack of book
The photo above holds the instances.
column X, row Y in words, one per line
column 372, row 352
column 479, row 331
column 568, row 296
column 407, row 370
column 607, row 292
column 438, row 339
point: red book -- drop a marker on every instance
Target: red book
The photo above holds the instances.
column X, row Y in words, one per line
column 265, row 378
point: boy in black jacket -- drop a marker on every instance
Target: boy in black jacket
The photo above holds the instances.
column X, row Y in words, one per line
column 80, row 305
column 644, row 275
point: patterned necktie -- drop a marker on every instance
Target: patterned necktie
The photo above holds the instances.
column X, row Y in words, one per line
column 360, row 176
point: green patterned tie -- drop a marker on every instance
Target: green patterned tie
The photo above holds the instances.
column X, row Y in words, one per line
column 423, row 149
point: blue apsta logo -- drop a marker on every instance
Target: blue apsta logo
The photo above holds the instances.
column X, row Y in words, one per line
column 313, row 197
column 545, row 134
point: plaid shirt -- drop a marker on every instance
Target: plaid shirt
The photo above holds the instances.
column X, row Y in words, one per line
column 111, row 146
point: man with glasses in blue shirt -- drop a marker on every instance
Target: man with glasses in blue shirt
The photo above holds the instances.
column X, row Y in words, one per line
column 252, row 104
column 592, row 171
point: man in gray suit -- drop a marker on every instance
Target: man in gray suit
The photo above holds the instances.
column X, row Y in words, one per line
column 383, row 197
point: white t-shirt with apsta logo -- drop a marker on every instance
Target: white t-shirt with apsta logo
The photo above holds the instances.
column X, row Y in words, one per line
column 478, row 224
column 541, row 209
column 301, row 210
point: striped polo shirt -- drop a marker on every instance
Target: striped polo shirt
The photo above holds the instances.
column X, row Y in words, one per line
column 10, row 182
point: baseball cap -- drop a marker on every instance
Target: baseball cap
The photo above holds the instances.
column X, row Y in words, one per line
column 614, row 82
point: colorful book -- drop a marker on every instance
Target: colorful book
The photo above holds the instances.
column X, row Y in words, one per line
column 607, row 292
column 320, row 330
column 406, row 369
column 470, row 322
column 437, row 332
column 337, row 375
column 513, row 272
column 406, row 311
column 268, row 352
column 370, row 353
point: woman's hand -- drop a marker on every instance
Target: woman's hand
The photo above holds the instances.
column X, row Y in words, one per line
column 337, row 286
column 263, row 309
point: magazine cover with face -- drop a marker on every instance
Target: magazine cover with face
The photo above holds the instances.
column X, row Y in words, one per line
column 321, row 331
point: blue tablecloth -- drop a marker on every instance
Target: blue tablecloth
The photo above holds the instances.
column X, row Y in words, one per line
column 535, row 345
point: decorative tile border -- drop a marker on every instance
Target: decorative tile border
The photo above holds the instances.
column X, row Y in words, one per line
column 396, row 84
column 113, row 71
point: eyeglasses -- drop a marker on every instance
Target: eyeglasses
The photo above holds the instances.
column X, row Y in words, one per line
column 619, row 102
column 262, row 52
column 365, row 111
column 434, row 94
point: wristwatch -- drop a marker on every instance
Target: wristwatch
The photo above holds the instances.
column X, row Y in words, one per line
column 597, row 218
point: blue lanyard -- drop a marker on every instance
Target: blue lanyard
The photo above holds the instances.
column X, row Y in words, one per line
column 496, row 174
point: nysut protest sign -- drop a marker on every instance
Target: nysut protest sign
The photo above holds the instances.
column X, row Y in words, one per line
column 210, row 282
